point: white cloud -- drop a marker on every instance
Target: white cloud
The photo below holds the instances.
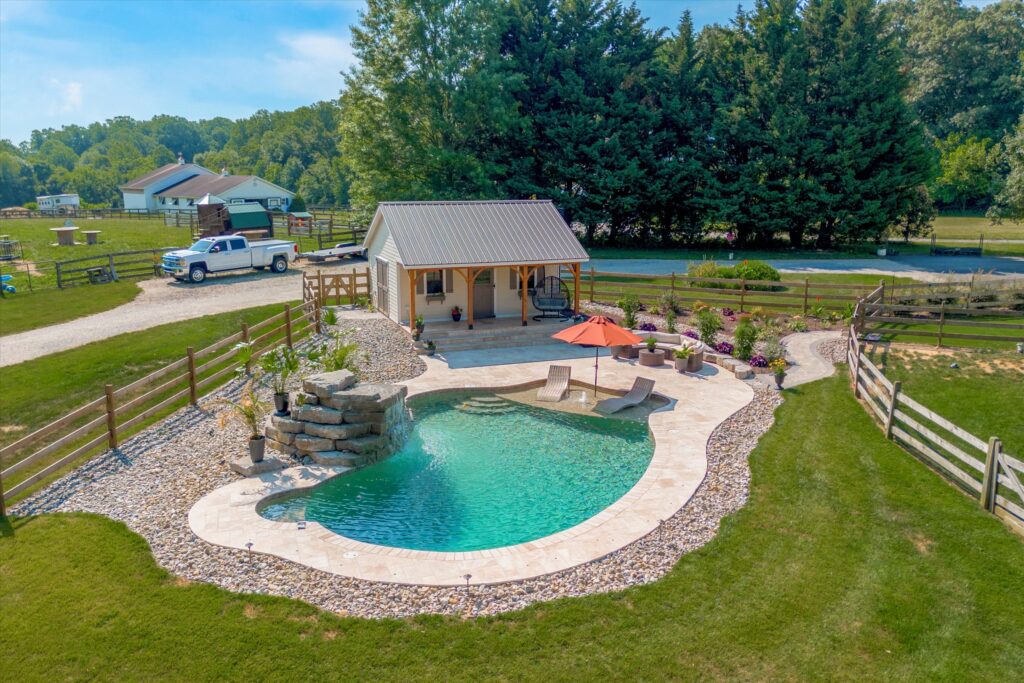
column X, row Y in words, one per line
column 311, row 64
column 67, row 97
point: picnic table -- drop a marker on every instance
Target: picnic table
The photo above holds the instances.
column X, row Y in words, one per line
column 65, row 235
column 92, row 236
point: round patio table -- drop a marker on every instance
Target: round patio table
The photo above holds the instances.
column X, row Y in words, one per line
column 65, row 236
column 92, row 236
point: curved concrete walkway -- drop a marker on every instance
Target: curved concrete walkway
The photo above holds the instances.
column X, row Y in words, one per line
column 162, row 301
column 807, row 364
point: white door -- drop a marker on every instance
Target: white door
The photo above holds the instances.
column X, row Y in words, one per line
column 382, row 286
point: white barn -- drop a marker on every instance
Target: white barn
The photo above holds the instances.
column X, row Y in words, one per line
column 138, row 194
column 233, row 189
column 487, row 257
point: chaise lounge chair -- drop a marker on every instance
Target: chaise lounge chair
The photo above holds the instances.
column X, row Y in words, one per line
column 640, row 392
column 558, row 384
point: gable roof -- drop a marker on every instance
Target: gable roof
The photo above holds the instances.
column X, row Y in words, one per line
column 478, row 233
column 200, row 185
column 144, row 181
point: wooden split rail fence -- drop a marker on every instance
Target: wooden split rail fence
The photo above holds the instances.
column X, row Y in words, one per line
column 979, row 467
column 740, row 293
column 117, row 266
column 347, row 287
column 107, row 420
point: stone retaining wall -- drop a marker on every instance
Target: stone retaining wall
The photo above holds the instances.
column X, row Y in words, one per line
column 336, row 421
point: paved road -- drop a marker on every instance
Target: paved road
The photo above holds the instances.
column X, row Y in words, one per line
column 927, row 268
column 162, row 301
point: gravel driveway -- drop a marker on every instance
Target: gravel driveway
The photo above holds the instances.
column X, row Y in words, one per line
column 162, row 301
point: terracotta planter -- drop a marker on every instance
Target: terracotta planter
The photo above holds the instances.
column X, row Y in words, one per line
column 257, row 447
column 651, row 359
column 281, row 403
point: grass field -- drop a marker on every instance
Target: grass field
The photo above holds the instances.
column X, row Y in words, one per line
column 39, row 391
column 971, row 227
column 950, row 327
column 31, row 310
column 984, row 394
column 118, row 234
column 851, row 560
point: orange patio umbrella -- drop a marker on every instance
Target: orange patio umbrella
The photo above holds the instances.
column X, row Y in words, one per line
column 599, row 332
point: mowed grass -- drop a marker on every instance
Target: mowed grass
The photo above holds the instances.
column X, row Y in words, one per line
column 31, row 310
column 984, row 394
column 902, row 332
column 851, row 560
column 118, row 234
column 972, row 227
column 39, row 391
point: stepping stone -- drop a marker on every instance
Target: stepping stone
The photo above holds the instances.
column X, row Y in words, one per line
column 247, row 468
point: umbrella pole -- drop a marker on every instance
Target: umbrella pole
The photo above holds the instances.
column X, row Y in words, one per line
column 596, row 351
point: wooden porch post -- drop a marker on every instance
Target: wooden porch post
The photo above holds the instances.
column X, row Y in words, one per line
column 412, row 299
column 576, row 288
column 524, row 275
column 469, row 275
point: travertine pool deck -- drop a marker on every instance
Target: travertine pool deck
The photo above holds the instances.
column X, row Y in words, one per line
column 697, row 404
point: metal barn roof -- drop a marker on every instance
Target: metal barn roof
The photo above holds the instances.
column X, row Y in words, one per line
column 199, row 185
column 144, row 181
column 479, row 233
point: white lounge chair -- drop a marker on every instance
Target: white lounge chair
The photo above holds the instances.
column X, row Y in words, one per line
column 640, row 392
column 558, row 384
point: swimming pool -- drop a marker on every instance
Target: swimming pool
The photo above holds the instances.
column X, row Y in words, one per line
column 477, row 472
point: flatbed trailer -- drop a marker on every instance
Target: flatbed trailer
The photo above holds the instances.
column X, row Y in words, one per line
column 339, row 251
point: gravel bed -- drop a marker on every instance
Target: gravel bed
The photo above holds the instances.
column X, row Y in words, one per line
column 154, row 479
column 387, row 351
column 834, row 350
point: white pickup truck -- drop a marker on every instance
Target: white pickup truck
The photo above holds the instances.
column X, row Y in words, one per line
column 228, row 252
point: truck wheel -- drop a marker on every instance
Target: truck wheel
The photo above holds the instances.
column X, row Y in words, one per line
column 196, row 274
column 279, row 265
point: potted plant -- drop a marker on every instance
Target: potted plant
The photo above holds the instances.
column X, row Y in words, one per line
column 778, row 368
column 682, row 358
column 456, row 314
column 250, row 412
column 280, row 363
column 651, row 356
column 431, row 348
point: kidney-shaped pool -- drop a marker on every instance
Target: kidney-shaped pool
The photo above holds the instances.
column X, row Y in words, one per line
column 479, row 471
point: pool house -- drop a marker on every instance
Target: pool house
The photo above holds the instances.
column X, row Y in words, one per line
column 506, row 260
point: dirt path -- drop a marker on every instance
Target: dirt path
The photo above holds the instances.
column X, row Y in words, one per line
column 161, row 301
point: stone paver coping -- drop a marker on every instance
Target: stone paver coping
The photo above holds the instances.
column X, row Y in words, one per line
column 697, row 404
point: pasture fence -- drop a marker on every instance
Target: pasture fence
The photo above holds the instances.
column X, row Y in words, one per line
column 119, row 265
column 104, row 422
column 979, row 467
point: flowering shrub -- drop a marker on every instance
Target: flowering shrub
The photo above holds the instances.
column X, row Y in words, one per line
column 648, row 327
column 691, row 334
column 778, row 366
column 726, row 311
column 758, row 361
column 724, row 347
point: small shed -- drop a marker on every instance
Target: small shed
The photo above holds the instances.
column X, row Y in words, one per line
column 300, row 219
column 249, row 216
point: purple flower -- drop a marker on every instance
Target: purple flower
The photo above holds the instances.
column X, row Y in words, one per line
column 726, row 311
column 758, row 361
column 648, row 327
column 691, row 334
column 724, row 347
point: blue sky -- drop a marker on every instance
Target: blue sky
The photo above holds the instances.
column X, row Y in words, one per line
column 77, row 61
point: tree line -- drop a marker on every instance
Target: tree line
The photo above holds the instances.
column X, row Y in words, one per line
column 800, row 121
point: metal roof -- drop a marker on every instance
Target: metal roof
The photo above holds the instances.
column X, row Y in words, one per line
column 200, row 185
column 144, row 181
column 480, row 233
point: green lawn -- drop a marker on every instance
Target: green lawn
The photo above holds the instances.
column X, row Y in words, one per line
column 39, row 391
column 118, row 234
column 950, row 327
column 30, row 310
column 971, row 227
column 851, row 560
column 984, row 395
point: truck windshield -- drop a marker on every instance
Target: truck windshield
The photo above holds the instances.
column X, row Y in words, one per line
column 201, row 245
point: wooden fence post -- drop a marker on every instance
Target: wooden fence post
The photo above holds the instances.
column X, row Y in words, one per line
column 807, row 290
column 245, row 332
column 856, row 373
column 60, row 283
column 111, row 416
column 942, row 322
column 110, row 264
column 321, row 295
column 352, row 287
column 897, row 386
column 990, row 479
column 591, row 284
column 881, row 297
column 673, row 282
column 3, row 505
column 970, row 293
column 192, row 398
column 288, row 324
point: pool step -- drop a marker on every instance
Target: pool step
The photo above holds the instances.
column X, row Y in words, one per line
column 486, row 405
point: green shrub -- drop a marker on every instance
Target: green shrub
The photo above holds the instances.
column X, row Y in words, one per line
column 745, row 335
column 797, row 325
column 630, row 305
column 670, row 321
column 297, row 203
column 669, row 302
column 773, row 348
column 756, row 270
column 708, row 324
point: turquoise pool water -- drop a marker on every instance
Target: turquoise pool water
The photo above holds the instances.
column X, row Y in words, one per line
column 480, row 472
